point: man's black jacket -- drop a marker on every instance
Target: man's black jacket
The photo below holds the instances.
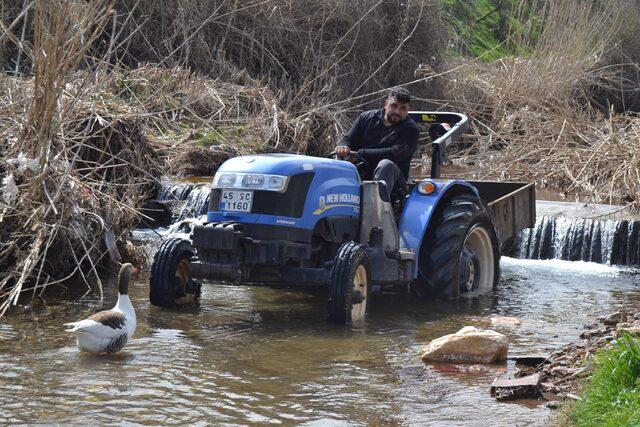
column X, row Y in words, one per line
column 374, row 141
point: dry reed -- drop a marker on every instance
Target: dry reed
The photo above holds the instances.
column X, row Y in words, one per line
column 538, row 119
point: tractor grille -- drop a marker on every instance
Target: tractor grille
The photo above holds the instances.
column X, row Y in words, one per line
column 290, row 203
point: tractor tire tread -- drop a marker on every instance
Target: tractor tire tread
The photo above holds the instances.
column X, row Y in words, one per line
column 349, row 256
column 438, row 267
column 163, row 268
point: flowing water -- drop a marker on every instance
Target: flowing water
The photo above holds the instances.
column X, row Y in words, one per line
column 260, row 355
column 580, row 239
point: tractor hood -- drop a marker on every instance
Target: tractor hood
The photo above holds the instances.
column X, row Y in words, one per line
column 285, row 164
column 315, row 188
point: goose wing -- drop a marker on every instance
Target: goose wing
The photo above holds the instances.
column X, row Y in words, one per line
column 105, row 324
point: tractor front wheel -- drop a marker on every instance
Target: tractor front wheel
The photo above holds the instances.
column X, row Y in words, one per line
column 170, row 282
column 350, row 286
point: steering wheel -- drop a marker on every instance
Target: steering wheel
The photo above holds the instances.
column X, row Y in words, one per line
column 361, row 163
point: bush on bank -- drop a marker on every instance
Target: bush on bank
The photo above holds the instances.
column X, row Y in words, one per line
column 612, row 395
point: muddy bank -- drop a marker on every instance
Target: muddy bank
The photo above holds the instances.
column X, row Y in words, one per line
column 560, row 376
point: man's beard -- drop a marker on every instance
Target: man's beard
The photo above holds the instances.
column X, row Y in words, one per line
column 393, row 118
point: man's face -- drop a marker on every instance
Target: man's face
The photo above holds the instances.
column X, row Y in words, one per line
column 394, row 111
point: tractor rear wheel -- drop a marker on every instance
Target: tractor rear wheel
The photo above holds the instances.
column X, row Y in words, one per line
column 460, row 254
column 350, row 285
column 170, row 282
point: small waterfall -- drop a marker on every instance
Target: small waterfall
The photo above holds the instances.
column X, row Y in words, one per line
column 581, row 239
column 192, row 200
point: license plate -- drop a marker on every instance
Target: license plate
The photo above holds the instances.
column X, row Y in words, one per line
column 236, row 201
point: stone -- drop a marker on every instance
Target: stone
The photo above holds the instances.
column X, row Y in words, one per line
column 549, row 387
column 529, row 359
column 631, row 330
column 562, row 371
column 470, row 345
column 505, row 321
column 588, row 334
column 615, row 318
column 518, row 388
column 554, row 404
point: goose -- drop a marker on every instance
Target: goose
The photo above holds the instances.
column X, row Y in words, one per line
column 108, row 331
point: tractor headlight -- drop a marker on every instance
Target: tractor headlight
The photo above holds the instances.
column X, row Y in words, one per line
column 253, row 181
column 277, row 183
column 250, row 181
column 225, row 180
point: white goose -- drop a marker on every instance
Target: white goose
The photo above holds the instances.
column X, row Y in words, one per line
column 108, row 331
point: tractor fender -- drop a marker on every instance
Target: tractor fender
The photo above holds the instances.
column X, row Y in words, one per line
column 418, row 211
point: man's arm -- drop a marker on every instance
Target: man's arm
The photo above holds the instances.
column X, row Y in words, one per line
column 401, row 150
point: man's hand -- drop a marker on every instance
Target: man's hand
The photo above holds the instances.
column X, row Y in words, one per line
column 343, row 151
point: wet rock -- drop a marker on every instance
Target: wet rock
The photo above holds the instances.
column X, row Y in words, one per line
column 458, row 369
column 588, row 334
column 565, row 358
column 469, row 345
column 615, row 318
column 562, row 371
column 529, row 360
column 519, row 388
column 554, row 404
column 549, row 387
column 505, row 321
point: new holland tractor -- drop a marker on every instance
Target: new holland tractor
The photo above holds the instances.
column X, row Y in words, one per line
column 286, row 220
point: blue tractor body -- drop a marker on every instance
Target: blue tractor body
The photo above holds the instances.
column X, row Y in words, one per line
column 333, row 191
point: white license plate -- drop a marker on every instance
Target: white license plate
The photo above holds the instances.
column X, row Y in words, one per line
column 236, row 201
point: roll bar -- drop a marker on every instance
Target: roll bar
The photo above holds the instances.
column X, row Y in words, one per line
column 444, row 127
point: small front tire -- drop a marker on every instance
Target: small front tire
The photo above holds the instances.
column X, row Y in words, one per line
column 349, row 288
column 171, row 283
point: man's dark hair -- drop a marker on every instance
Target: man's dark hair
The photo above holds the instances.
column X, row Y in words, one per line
column 401, row 94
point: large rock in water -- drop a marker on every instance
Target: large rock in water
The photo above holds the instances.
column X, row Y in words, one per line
column 469, row 344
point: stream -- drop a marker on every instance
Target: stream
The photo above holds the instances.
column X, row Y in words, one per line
column 261, row 355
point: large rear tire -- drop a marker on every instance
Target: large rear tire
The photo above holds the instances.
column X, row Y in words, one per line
column 350, row 285
column 460, row 254
column 170, row 283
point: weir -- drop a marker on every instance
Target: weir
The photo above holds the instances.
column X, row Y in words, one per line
column 194, row 198
column 615, row 242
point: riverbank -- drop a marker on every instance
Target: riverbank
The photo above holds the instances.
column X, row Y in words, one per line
column 611, row 397
column 598, row 377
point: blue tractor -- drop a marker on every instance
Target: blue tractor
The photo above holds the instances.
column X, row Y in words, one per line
column 288, row 220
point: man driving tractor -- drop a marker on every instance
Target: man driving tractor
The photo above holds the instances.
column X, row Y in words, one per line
column 386, row 139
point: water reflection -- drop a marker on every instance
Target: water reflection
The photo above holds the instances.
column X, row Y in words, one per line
column 258, row 355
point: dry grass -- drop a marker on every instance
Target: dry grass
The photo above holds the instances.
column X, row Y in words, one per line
column 68, row 166
column 82, row 143
column 539, row 119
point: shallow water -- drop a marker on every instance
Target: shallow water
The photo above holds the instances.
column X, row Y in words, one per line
column 260, row 355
